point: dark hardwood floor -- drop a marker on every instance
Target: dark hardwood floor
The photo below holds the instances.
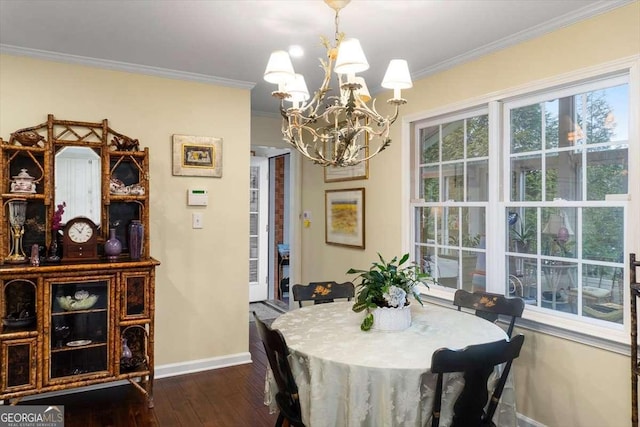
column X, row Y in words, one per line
column 222, row 397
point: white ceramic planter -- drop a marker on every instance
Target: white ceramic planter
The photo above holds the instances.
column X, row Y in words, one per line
column 391, row 319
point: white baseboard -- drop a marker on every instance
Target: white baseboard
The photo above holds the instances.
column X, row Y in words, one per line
column 192, row 366
column 163, row 371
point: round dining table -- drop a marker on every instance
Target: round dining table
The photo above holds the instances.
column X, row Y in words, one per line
column 348, row 377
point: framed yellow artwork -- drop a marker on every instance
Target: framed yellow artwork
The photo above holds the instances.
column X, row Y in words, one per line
column 344, row 217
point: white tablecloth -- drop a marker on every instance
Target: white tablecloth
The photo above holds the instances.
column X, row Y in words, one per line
column 347, row 377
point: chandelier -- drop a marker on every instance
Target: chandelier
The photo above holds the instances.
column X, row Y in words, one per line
column 341, row 129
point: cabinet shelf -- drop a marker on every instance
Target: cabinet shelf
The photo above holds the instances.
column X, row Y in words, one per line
column 15, row 333
column 77, row 348
column 128, row 198
column 27, row 196
column 67, row 313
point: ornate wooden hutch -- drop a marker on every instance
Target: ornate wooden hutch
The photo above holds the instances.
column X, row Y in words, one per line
column 71, row 320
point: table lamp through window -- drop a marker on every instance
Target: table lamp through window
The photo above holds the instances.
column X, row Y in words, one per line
column 559, row 229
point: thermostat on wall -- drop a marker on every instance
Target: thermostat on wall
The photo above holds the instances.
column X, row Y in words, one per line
column 197, row 197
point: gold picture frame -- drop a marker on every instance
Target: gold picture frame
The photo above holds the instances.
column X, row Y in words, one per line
column 345, row 217
column 197, row 156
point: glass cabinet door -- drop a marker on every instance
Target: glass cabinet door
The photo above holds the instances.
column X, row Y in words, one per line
column 79, row 328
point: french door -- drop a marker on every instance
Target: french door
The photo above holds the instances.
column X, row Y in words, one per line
column 258, row 233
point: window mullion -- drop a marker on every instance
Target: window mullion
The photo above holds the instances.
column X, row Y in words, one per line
column 495, row 215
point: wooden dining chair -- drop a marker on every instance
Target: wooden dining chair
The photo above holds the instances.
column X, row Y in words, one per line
column 277, row 351
column 476, row 362
column 323, row 292
column 489, row 306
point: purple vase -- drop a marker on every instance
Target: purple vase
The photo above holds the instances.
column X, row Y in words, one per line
column 136, row 232
column 112, row 247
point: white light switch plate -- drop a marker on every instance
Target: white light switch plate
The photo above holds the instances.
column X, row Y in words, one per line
column 196, row 220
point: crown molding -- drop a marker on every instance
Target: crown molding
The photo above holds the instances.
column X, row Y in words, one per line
column 528, row 34
column 123, row 66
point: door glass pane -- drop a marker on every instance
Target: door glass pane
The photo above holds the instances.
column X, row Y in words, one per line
column 253, row 224
column 253, row 270
column 79, row 326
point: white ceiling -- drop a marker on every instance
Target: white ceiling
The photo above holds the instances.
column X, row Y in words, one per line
column 229, row 42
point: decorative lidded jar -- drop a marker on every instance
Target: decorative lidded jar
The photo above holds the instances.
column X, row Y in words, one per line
column 23, row 183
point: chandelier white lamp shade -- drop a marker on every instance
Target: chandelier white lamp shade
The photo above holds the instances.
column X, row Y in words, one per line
column 341, row 130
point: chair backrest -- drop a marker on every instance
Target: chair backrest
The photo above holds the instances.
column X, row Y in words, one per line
column 477, row 362
column 489, row 306
column 323, row 292
column 277, row 351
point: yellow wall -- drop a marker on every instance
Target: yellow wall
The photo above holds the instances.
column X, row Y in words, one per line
column 559, row 383
column 202, row 291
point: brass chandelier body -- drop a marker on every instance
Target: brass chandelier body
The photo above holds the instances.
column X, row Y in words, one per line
column 337, row 130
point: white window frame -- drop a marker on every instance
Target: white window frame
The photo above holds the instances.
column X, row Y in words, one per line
column 420, row 203
column 613, row 337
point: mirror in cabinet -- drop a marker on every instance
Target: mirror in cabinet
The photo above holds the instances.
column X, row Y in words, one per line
column 79, row 325
column 78, row 182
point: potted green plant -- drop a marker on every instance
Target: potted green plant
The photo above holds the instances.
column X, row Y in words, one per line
column 383, row 291
column 523, row 238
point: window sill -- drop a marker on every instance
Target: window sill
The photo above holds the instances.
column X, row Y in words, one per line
column 613, row 339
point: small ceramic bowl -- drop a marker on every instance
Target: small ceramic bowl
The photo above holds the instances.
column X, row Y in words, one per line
column 70, row 303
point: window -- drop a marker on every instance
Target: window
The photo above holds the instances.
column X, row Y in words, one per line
column 567, row 168
column 450, row 218
column 555, row 223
